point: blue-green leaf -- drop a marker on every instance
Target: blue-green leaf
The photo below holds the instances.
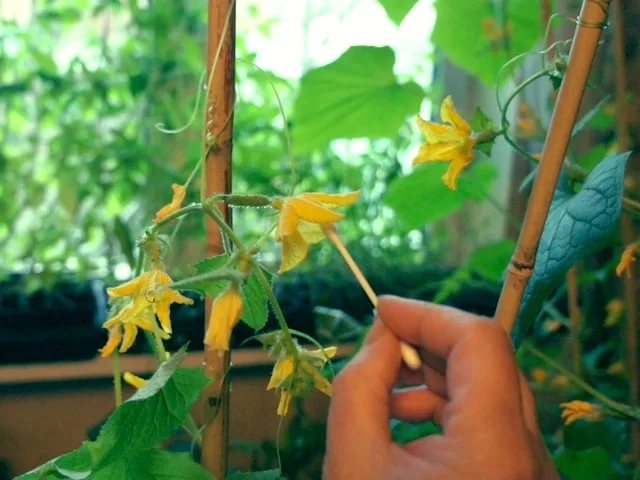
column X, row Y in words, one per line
column 575, row 226
column 422, row 197
column 357, row 95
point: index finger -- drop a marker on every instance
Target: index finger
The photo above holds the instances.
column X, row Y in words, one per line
column 434, row 328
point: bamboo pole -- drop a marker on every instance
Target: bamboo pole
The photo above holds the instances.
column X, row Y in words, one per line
column 585, row 41
column 628, row 230
column 217, row 173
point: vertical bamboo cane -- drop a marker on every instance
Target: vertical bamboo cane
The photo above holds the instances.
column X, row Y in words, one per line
column 629, row 233
column 219, row 127
column 585, row 41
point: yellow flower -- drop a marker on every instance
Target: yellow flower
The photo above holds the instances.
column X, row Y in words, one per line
column 577, row 409
column 295, row 374
column 627, row 258
column 225, row 314
column 616, row 368
column 615, row 309
column 148, row 300
column 134, row 380
column 300, row 222
column 560, row 381
column 179, row 192
column 539, row 375
column 451, row 141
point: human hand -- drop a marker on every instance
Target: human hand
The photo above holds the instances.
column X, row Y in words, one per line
column 475, row 392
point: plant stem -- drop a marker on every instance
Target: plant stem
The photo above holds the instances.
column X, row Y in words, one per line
column 564, row 115
column 505, row 123
column 624, row 410
column 117, row 378
column 194, row 207
column 576, row 319
column 277, row 310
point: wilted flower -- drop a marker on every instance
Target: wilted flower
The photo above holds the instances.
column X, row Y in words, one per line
column 578, row 409
column 300, row 220
column 225, row 314
column 615, row 309
column 448, row 142
column 179, row 193
column 296, row 374
column 134, row 380
column 627, row 258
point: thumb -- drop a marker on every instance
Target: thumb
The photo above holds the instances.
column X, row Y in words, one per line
column 358, row 434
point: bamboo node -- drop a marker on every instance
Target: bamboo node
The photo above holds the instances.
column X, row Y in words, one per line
column 521, row 269
column 584, row 23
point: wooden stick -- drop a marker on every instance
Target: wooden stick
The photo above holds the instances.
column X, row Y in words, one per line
column 628, row 230
column 219, row 126
column 585, row 41
column 409, row 354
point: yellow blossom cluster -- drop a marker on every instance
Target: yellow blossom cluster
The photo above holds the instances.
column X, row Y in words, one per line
column 578, row 409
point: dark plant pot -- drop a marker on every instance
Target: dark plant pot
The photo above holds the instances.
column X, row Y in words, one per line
column 60, row 322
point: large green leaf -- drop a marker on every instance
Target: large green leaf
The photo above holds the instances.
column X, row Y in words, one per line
column 152, row 464
column 397, row 9
column 592, row 464
column 153, row 413
column 472, row 34
column 421, row 197
column 355, row 96
column 126, row 446
column 575, row 226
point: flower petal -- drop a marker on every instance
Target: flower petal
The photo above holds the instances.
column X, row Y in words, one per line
column 438, row 152
column 282, row 370
column 312, row 233
column 312, row 211
column 131, row 287
column 179, row 193
column 338, row 199
column 130, row 333
column 438, row 133
column 225, row 314
column 288, row 222
column 285, row 401
column 115, row 336
column 449, row 114
column 134, row 380
column 294, row 251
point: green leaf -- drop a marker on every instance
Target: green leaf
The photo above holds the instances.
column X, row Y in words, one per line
column 490, row 261
column 153, row 413
column 592, row 464
column 421, row 197
column 211, row 288
column 575, row 226
column 587, row 117
column 355, row 96
column 264, row 475
column 471, row 33
column 75, row 465
column 255, row 300
column 397, row 9
column 480, row 122
column 152, row 464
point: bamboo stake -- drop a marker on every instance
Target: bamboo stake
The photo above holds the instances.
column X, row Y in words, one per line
column 219, row 126
column 585, row 42
column 576, row 319
column 629, row 233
